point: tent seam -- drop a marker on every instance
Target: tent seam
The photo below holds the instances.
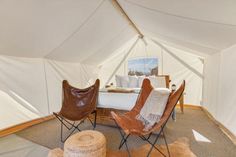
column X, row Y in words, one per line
column 196, row 44
column 180, row 60
column 114, row 37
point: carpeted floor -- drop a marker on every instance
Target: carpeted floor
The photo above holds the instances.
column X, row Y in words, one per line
column 206, row 139
column 180, row 148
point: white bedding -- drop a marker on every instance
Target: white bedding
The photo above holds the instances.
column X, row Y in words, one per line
column 121, row 101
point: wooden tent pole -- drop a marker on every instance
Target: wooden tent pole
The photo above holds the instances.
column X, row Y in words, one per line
column 122, row 11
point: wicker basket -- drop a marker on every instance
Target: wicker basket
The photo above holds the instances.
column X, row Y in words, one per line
column 85, row 144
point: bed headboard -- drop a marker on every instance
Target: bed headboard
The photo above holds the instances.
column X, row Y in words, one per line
column 167, row 79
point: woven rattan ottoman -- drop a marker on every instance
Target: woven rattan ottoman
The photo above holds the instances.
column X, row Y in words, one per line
column 87, row 143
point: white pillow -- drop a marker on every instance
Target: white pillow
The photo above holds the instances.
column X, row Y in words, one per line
column 118, row 81
column 140, row 80
column 133, row 81
column 124, row 81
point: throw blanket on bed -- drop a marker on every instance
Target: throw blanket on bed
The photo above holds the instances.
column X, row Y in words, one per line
column 154, row 107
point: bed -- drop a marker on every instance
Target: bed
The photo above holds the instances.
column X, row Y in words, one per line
column 117, row 100
column 123, row 98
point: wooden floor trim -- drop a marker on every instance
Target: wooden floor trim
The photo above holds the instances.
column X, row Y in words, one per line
column 21, row 126
column 197, row 107
column 226, row 131
column 18, row 127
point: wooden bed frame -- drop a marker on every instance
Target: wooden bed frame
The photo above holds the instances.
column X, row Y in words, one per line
column 167, row 78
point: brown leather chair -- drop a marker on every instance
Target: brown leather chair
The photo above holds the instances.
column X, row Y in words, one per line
column 129, row 125
column 77, row 105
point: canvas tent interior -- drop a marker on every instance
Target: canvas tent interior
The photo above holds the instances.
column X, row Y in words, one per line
column 45, row 42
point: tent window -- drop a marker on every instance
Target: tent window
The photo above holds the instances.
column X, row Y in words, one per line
column 143, row 66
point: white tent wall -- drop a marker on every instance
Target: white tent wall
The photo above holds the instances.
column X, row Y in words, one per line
column 31, row 88
column 179, row 72
column 220, row 89
column 110, row 64
column 211, row 83
column 227, row 89
column 167, row 65
column 22, row 88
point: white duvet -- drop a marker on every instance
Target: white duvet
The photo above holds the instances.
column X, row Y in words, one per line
column 121, row 101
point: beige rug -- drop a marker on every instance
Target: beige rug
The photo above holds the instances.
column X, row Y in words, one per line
column 179, row 148
column 192, row 120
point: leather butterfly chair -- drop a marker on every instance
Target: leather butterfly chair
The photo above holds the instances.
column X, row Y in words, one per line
column 77, row 105
column 129, row 125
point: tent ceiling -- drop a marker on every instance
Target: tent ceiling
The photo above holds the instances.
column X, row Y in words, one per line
column 110, row 47
column 222, row 12
column 102, row 28
column 191, row 22
column 89, row 31
column 32, row 28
